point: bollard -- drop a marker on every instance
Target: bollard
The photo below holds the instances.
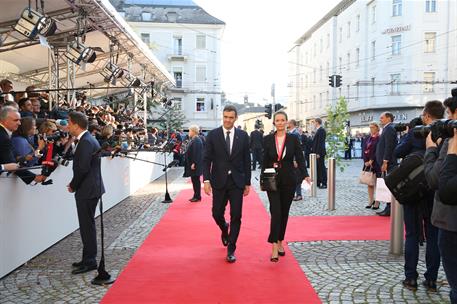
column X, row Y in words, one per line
column 331, row 183
column 313, row 172
column 396, row 227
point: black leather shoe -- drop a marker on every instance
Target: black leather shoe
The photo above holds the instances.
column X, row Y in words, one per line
column 84, row 269
column 77, row 264
column 430, row 285
column 225, row 235
column 194, row 200
column 274, row 259
column 324, row 187
column 231, row 258
column 410, row 284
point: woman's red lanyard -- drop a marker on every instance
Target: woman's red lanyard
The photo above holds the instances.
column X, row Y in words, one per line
column 282, row 148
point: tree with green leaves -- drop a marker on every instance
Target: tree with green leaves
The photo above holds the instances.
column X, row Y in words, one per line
column 337, row 117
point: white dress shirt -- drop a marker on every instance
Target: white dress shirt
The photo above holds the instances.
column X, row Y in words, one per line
column 232, row 136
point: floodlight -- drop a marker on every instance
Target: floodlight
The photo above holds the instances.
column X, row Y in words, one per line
column 33, row 23
column 78, row 53
column 111, row 71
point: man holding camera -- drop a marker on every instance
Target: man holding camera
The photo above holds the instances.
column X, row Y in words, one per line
column 87, row 184
column 439, row 169
column 418, row 210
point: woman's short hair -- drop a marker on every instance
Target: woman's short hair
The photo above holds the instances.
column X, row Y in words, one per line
column 194, row 128
column 107, row 131
column 46, row 126
column 281, row 113
column 375, row 124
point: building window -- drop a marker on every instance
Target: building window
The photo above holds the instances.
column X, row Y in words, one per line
column 177, row 102
column 320, row 100
column 200, row 73
column 357, row 57
column 373, row 14
column 327, row 101
column 177, row 45
column 340, row 63
column 395, row 84
column 328, row 69
column 373, row 50
column 146, row 38
column 315, row 49
column 430, row 42
column 200, row 104
column 328, row 40
column 178, row 78
column 429, row 80
column 321, row 72
column 306, row 57
column 341, row 34
column 430, row 6
column 306, row 81
column 396, row 45
column 349, row 29
column 314, row 101
column 314, row 75
column 396, row 7
column 357, row 28
column 372, row 86
column 321, row 45
column 201, row 42
column 348, row 60
column 348, row 88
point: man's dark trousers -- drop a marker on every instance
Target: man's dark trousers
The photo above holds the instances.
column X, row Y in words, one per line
column 447, row 242
column 196, row 184
column 86, row 212
column 321, row 172
column 257, row 158
column 234, row 195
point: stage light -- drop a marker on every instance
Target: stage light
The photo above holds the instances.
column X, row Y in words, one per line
column 78, row 53
column 131, row 80
column 33, row 23
column 111, row 71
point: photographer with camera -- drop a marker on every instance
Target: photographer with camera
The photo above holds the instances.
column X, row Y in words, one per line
column 22, row 141
column 444, row 216
column 418, row 207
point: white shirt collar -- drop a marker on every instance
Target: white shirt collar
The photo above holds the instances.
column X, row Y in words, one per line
column 231, row 130
column 10, row 133
column 81, row 134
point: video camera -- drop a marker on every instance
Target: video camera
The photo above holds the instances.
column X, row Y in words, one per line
column 443, row 128
column 401, row 127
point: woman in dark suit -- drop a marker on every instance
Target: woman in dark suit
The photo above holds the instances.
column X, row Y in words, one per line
column 282, row 152
column 193, row 162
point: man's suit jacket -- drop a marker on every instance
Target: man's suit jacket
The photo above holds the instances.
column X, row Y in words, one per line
column 386, row 146
column 217, row 162
column 87, row 181
column 7, row 156
column 256, row 140
column 319, row 142
column 287, row 174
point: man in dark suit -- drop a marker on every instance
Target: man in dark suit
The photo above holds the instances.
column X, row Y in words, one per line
column 307, row 144
column 193, row 162
column 10, row 120
column 256, row 141
column 385, row 149
column 88, row 187
column 227, row 173
column 320, row 151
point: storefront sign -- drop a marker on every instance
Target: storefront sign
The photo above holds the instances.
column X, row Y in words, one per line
column 397, row 29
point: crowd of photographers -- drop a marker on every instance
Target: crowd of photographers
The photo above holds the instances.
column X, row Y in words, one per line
column 424, row 182
column 34, row 137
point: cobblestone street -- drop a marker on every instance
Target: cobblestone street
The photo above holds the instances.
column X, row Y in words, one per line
column 340, row 271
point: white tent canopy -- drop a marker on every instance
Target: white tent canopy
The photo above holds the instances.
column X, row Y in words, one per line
column 28, row 62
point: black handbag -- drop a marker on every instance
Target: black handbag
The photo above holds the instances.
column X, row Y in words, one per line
column 269, row 181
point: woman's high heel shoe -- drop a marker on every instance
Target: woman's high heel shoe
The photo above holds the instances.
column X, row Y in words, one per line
column 281, row 253
column 274, row 259
column 369, row 206
column 375, row 207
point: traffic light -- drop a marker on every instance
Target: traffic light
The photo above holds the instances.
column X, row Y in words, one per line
column 268, row 110
column 339, row 78
column 278, row 107
column 331, row 81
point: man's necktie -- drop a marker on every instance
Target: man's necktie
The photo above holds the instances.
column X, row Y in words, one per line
column 227, row 142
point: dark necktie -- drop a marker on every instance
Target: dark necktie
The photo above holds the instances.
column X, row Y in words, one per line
column 227, row 141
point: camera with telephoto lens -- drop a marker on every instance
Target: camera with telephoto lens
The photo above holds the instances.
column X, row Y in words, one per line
column 401, row 127
column 442, row 128
column 54, row 137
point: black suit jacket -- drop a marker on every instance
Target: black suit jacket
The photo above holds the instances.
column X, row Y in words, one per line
column 194, row 155
column 386, row 146
column 287, row 173
column 7, row 156
column 256, row 139
column 87, row 181
column 319, row 142
column 217, row 162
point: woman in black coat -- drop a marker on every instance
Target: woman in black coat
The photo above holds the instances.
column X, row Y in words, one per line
column 291, row 157
column 193, row 162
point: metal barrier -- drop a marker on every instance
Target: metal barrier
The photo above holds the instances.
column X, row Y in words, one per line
column 313, row 172
column 331, row 183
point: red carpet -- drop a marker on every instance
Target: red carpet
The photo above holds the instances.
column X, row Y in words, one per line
column 335, row 228
column 183, row 261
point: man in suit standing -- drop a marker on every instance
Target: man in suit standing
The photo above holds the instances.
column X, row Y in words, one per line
column 10, row 120
column 227, row 174
column 385, row 150
column 256, row 140
column 319, row 149
column 293, row 130
column 87, row 184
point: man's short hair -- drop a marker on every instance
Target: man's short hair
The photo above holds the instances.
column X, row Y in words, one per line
column 389, row 115
column 230, row 108
column 435, row 109
column 11, row 104
column 5, row 111
column 451, row 103
column 293, row 121
column 318, row 120
column 5, row 81
column 79, row 118
column 22, row 102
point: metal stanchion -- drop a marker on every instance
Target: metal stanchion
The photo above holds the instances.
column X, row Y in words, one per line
column 396, row 227
column 313, row 172
column 331, row 183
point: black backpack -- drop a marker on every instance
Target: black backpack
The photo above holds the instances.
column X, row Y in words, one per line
column 407, row 181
